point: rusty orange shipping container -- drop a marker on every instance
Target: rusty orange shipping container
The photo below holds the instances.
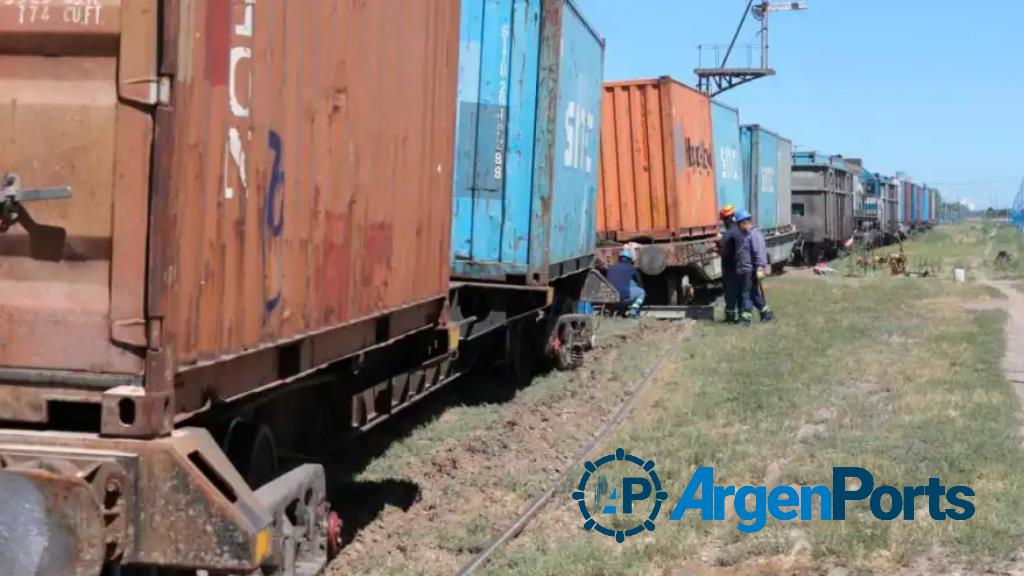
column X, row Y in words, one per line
column 657, row 165
column 204, row 199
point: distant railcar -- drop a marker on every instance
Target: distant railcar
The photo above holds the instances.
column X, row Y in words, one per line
column 768, row 185
column 823, row 199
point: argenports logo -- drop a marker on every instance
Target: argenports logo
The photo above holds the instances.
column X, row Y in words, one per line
column 604, row 513
column 620, row 495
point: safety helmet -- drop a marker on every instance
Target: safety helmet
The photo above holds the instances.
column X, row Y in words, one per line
column 727, row 212
column 742, row 215
column 626, row 254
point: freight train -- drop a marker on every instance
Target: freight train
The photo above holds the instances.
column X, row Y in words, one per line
column 235, row 232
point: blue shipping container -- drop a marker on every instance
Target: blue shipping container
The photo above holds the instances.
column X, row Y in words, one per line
column 525, row 198
column 725, row 126
column 915, row 203
column 761, row 174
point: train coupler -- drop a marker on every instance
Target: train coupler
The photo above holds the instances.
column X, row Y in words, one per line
column 75, row 503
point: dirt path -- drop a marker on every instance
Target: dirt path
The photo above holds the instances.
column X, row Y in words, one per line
column 1013, row 362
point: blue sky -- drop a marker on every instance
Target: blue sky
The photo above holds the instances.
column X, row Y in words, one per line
column 931, row 87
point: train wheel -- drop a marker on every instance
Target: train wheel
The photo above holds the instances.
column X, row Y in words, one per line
column 251, row 448
column 680, row 291
column 572, row 336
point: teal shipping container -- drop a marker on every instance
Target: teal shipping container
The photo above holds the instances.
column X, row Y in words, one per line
column 928, row 200
column 764, row 181
column 529, row 113
column 725, row 127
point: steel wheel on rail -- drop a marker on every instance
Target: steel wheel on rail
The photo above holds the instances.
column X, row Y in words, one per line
column 253, row 451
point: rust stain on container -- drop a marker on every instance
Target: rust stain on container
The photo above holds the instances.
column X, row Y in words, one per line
column 657, row 165
column 301, row 176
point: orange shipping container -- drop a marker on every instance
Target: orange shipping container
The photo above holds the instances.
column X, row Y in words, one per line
column 258, row 188
column 657, row 165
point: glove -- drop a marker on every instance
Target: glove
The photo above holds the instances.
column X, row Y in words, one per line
column 760, row 273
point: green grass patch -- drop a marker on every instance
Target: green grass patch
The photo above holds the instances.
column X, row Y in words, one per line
column 891, row 374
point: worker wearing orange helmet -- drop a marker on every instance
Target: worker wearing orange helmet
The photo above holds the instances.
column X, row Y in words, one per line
column 729, row 244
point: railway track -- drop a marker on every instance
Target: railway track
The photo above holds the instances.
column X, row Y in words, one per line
column 517, row 525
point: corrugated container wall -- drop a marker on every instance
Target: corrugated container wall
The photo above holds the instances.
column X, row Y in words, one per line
column 916, row 203
column 529, row 98
column 725, row 124
column 908, row 201
column 762, row 175
column 657, row 163
column 900, row 203
column 785, row 189
column 303, row 172
column 926, row 204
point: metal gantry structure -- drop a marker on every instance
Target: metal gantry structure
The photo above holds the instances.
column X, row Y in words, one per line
column 719, row 78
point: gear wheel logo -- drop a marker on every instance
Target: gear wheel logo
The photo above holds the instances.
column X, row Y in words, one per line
column 643, row 489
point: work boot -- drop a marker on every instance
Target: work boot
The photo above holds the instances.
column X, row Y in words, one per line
column 767, row 315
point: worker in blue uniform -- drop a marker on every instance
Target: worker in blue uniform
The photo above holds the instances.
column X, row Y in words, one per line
column 626, row 279
column 728, row 246
column 760, row 251
column 744, row 267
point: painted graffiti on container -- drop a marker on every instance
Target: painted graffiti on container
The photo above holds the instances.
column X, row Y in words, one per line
column 579, row 126
column 273, row 226
column 77, row 12
column 699, row 155
column 239, row 68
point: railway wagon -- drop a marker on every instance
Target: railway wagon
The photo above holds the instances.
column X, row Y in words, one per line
column 822, row 203
column 209, row 206
column 657, row 188
column 888, row 195
column 925, row 217
column 915, row 205
column 525, row 190
column 866, row 210
column 909, row 214
column 768, row 185
column 934, row 203
column 898, row 184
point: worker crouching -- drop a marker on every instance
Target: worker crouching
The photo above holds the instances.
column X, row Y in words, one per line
column 624, row 276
